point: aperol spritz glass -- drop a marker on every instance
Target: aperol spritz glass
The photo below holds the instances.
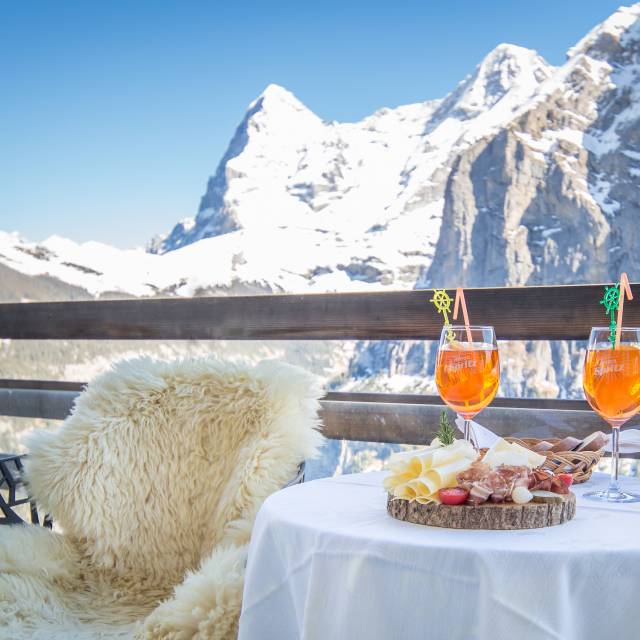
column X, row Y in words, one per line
column 611, row 382
column 467, row 370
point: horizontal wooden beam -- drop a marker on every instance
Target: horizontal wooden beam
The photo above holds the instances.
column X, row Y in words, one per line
column 517, row 313
column 49, row 385
column 417, row 424
column 338, row 396
column 415, row 398
column 344, row 418
column 37, row 403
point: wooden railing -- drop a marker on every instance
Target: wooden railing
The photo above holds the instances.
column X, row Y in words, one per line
column 522, row 313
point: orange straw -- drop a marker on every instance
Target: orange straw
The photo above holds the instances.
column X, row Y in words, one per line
column 460, row 299
column 625, row 290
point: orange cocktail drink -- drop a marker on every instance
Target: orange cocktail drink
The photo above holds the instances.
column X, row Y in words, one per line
column 612, row 381
column 467, row 376
column 467, row 370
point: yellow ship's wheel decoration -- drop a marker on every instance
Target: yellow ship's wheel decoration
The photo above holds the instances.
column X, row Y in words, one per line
column 442, row 302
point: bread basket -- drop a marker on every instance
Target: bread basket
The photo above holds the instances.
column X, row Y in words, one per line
column 579, row 464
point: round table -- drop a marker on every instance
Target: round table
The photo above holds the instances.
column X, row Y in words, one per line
column 327, row 562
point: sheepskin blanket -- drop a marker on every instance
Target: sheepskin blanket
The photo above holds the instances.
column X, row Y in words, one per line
column 154, row 482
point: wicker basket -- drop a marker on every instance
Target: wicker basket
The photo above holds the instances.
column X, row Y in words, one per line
column 579, row 464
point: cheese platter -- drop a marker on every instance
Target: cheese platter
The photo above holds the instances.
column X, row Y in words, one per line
column 452, row 484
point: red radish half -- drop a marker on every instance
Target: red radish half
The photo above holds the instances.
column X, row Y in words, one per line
column 455, row 495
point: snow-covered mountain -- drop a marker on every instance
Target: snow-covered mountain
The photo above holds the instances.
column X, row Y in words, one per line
column 525, row 173
column 363, row 201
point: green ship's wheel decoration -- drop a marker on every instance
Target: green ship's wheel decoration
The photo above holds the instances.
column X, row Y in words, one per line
column 611, row 301
column 442, row 302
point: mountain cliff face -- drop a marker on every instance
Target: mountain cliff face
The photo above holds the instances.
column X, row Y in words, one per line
column 553, row 196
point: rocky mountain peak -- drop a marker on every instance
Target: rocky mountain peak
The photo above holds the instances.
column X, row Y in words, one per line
column 277, row 111
column 506, row 70
column 276, row 123
column 617, row 30
column 275, row 96
column 503, row 69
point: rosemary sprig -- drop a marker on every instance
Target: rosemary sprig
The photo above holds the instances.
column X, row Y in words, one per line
column 446, row 434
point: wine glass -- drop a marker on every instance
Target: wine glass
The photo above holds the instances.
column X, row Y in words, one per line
column 611, row 382
column 467, row 370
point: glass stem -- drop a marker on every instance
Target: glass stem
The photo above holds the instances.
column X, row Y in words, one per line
column 615, row 459
column 466, row 430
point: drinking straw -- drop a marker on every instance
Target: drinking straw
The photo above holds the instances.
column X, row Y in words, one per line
column 460, row 300
column 625, row 290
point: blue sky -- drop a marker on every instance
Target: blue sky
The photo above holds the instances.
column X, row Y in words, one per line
column 113, row 114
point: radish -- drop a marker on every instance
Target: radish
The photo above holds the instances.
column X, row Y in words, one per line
column 454, row 495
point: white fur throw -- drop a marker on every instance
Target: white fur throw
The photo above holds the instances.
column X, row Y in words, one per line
column 155, row 481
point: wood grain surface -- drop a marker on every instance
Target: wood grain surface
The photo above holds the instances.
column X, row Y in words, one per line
column 485, row 516
column 517, row 313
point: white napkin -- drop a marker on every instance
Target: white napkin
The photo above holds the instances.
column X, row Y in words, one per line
column 484, row 438
column 481, row 436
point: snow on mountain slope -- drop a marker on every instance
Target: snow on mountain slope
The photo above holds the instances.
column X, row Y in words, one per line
column 533, row 169
column 290, row 260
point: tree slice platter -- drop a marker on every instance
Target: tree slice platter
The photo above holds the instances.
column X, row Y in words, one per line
column 508, row 515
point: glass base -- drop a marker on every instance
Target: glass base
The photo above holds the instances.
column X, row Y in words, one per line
column 612, row 495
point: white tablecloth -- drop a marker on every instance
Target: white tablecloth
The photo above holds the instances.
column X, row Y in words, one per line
column 327, row 562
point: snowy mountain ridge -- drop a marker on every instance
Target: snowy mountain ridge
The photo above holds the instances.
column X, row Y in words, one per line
column 344, row 199
column 524, row 173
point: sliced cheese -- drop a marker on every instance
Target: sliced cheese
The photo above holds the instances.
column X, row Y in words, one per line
column 499, row 445
column 445, row 476
column 468, row 450
column 399, row 478
column 419, row 475
column 404, row 491
column 424, row 485
column 443, row 457
column 509, row 458
column 511, row 453
column 400, row 459
column 535, row 459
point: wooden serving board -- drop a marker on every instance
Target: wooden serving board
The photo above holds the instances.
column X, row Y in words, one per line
column 508, row 515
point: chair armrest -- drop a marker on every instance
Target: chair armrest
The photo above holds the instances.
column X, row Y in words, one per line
column 13, row 492
column 299, row 477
